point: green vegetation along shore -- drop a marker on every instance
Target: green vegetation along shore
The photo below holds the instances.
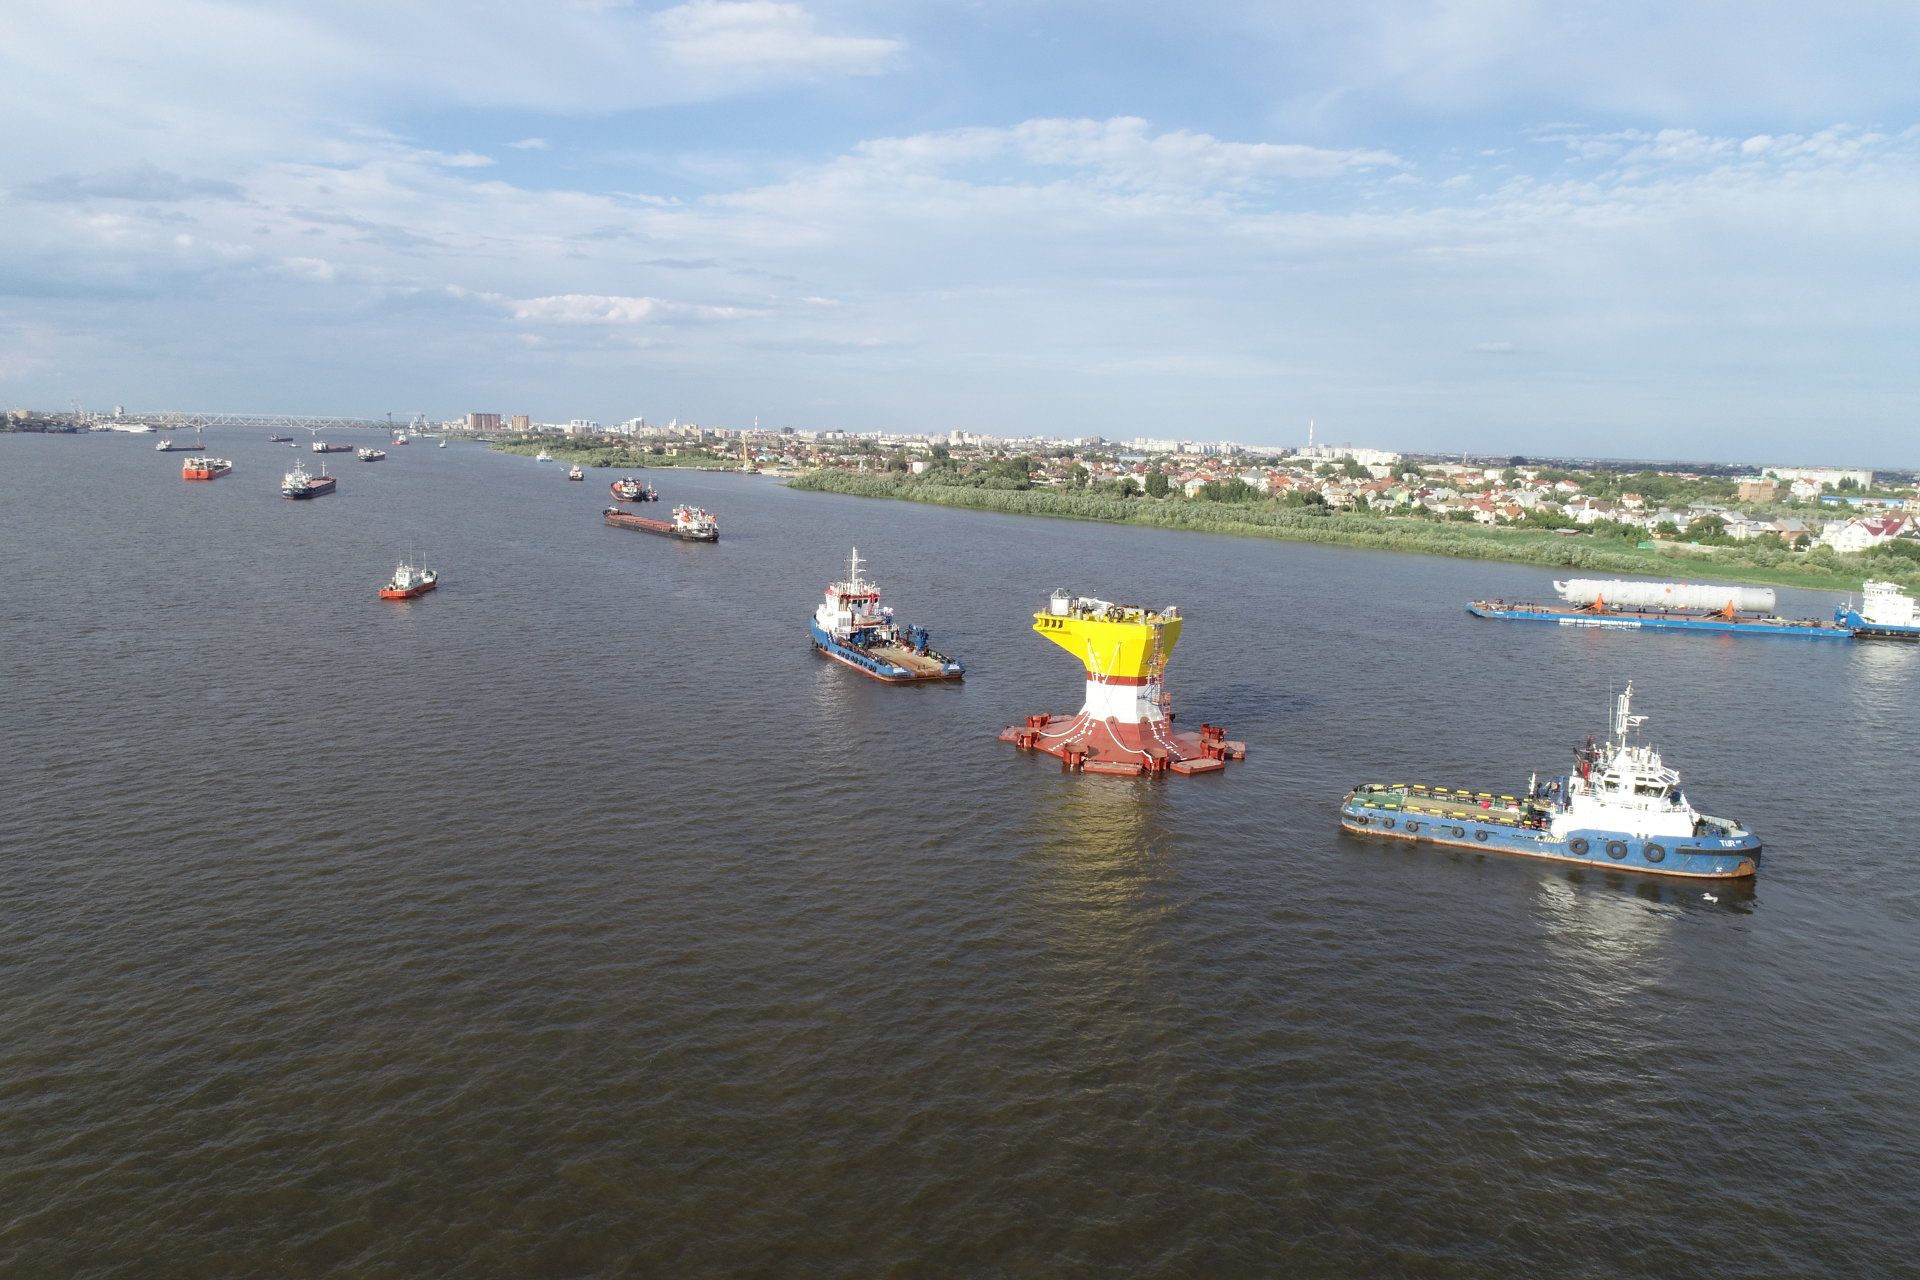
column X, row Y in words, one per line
column 1586, row 552
column 593, row 452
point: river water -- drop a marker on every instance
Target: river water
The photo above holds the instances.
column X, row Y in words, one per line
column 577, row 920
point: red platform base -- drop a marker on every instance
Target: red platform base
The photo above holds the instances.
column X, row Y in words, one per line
column 1088, row 745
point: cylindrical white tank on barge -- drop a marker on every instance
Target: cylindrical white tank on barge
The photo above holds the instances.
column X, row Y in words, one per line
column 1669, row 595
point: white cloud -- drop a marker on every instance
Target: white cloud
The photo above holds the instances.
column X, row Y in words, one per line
column 529, row 144
column 750, row 35
column 1124, row 149
column 595, row 308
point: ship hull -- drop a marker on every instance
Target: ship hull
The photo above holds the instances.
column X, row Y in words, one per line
column 878, row 668
column 1878, row 630
column 410, row 593
column 214, row 474
column 1632, row 621
column 1691, row 858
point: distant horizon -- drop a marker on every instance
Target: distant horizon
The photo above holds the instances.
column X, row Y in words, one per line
column 1623, row 232
column 403, row 420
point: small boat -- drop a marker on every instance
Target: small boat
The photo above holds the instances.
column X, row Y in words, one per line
column 409, row 581
column 371, row 455
column 851, row 627
column 543, row 456
column 627, row 489
column 689, row 524
column 575, row 473
column 443, row 444
column 298, row 484
column 1619, row 807
column 204, row 468
column 400, row 437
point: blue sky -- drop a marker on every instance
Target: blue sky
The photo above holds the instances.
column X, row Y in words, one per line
column 1615, row 229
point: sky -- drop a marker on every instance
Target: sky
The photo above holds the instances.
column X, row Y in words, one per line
column 1595, row 229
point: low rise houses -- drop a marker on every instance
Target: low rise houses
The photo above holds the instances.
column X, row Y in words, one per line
column 1861, row 532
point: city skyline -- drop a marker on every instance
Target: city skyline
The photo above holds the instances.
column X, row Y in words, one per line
column 1499, row 227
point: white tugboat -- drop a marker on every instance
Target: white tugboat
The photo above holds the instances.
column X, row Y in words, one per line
column 1619, row 806
column 852, row 627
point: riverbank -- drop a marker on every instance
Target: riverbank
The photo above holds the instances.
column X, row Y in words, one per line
column 1821, row 569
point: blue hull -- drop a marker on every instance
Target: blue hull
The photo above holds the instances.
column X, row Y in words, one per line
column 1655, row 622
column 1875, row 630
column 877, row 668
column 1699, row 858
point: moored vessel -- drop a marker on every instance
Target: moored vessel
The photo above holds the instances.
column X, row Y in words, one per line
column 299, row 484
column 204, row 468
column 543, row 456
column 1619, row 806
column 1125, row 726
column 371, row 455
column 852, row 627
column 627, row 489
column 409, row 581
column 1662, row 606
column 167, row 444
column 689, row 524
column 321, row 446
column 275, row 439
column 1885, row 613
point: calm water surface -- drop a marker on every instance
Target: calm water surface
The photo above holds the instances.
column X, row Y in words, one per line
column 577, row 920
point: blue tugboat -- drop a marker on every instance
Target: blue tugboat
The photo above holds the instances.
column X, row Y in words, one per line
column 852, row 628
column 1885, row 613
column 1619, row 806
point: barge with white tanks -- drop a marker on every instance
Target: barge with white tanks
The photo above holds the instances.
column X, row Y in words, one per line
column 1625, row 605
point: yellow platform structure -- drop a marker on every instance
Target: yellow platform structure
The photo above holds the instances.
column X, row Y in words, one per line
column 1124, row 725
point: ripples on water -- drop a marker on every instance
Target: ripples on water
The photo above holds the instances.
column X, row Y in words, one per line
column 577, row 920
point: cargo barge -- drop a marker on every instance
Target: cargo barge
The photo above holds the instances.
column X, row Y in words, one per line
column 205, row 468
column 851, row 627
column 298, row 484
column 689, row 524
column 1619, row 806
column 1663, row 606
column 321, row 446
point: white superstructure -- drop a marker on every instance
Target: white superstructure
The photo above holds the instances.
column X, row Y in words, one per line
column 1884, row 605
column 853, row 604
column 1625, row 787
